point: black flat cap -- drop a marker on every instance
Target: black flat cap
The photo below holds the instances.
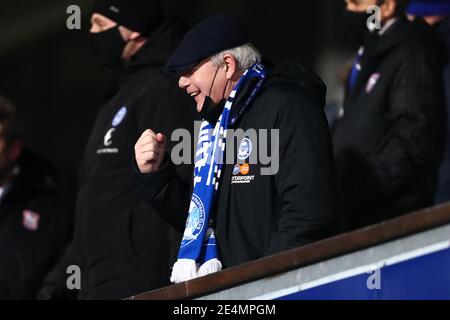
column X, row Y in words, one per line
column 211, row 36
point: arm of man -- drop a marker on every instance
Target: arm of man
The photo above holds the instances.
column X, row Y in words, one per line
column 166, row 191
column 170, row 112
column 166, row 185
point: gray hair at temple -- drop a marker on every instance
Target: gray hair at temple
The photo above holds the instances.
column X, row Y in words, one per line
column 245, row 55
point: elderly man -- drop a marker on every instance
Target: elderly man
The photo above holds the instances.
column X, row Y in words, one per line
column 238, row 211
column 386, row 140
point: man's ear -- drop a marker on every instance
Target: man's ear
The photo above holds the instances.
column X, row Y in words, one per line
column 388, row 9
column 15, row 150
column 230, row 66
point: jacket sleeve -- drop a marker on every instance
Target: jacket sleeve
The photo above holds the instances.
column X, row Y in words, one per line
column 306, row 178
column 167, row 109
column 416, row 112
column 168, row 193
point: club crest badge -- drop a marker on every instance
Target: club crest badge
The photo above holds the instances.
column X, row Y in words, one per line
column 245, row 149
column 120, row 115
column 195, row 222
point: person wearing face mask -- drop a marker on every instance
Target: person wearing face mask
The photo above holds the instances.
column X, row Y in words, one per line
column 120, row 244
column 240, row 208
column 437, row 14
column 387, row 138
column 118, row 31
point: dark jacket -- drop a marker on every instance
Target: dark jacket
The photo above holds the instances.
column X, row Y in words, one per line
column 388, row 142
column 277, row 212
column 443, row 188
column 34, row 228
column 121, row 245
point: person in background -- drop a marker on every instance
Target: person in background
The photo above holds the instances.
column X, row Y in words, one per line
column 34, row 226
column 387, row 138
column 120, row 244
column 437, row 14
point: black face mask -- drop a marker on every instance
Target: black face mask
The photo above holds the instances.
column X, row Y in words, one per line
column 356, row 24
column 211, row 111
column 109, row 46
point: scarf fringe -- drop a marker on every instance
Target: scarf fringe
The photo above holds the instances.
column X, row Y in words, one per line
column 209, row 267
column 184, row 270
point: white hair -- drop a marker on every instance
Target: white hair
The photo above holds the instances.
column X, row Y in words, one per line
column 245, row 55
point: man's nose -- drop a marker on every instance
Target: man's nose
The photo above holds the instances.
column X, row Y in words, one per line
column 183, row 82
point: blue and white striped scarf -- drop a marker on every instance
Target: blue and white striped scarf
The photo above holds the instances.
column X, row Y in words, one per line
column 198, row 255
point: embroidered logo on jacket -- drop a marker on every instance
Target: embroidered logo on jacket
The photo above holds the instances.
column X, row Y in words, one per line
column 245, row 149
column 372, row 82
column 30, row 220
column 120, row 115
column 108, row 139
column 240, row 174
